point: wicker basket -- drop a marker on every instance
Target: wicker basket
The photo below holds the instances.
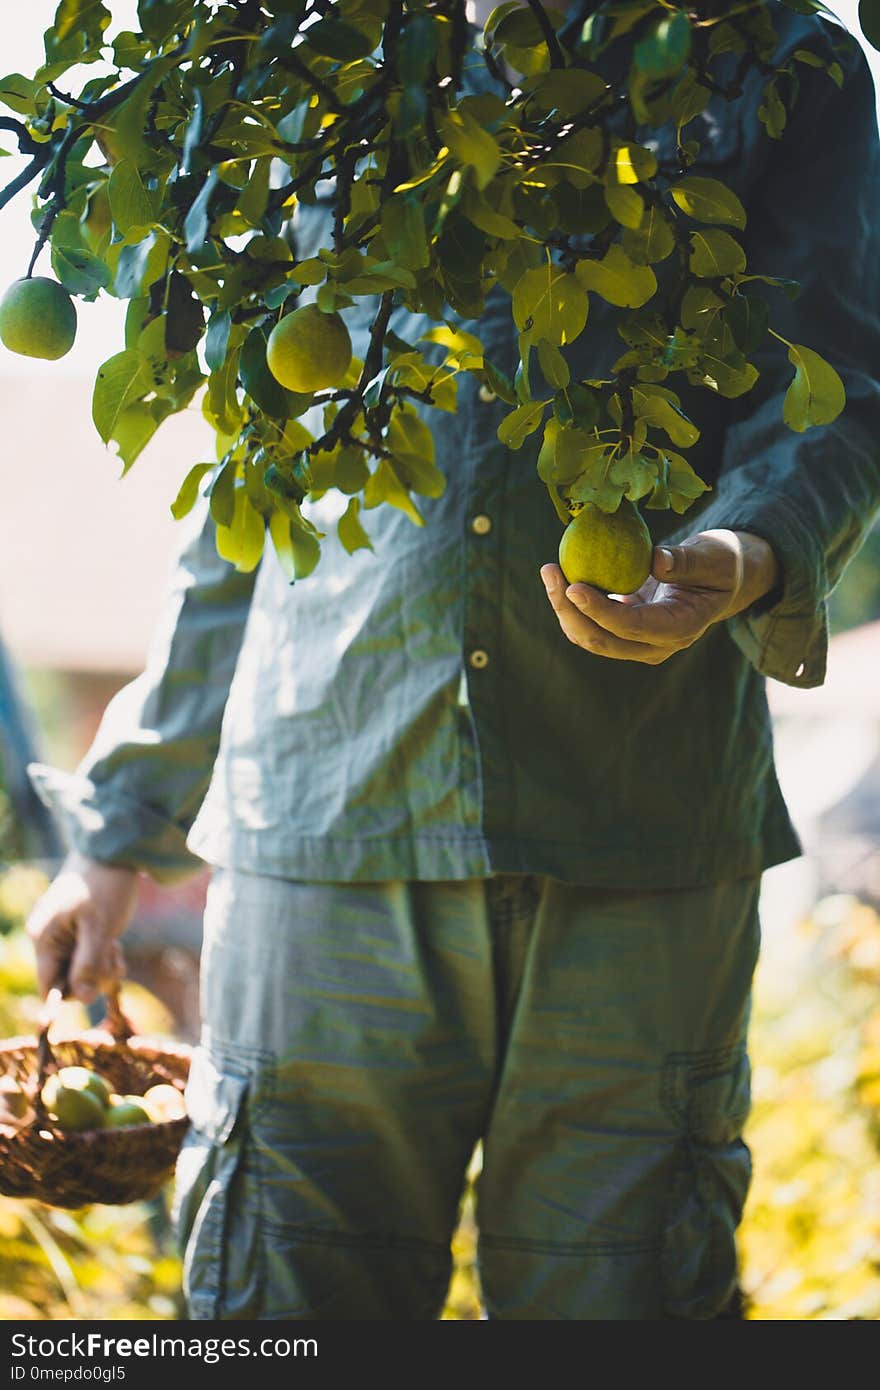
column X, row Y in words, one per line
column 113, row 1166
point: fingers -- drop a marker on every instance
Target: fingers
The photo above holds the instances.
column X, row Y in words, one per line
column 583, row 631
column 94, row 964
column 74, row 944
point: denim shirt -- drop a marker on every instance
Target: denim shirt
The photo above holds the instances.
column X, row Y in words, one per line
column 417, row 713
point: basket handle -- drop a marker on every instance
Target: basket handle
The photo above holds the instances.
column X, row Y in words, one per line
column 115, row 1022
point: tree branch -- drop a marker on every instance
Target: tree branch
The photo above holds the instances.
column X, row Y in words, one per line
column 26, row 143
column 557, row 59
column 22, row 180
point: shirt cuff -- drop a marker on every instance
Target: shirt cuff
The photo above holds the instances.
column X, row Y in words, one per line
column 785, row 635
column 113, row 828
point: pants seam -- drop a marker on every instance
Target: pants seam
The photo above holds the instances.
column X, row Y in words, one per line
column 311, row 1235
column 582, row 1247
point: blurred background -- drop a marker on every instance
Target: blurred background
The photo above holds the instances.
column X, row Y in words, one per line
column 79, row 593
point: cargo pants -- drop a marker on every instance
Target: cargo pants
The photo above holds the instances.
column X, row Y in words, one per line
column 360, row 1039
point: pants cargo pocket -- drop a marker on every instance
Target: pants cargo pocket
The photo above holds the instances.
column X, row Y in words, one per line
column 707, row 1094
column 216, row 1201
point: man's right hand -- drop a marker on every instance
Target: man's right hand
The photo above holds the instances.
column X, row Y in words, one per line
column 76, row 923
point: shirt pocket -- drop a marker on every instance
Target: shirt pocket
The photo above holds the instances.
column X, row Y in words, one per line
column 707, row 1096
column 216, row 1200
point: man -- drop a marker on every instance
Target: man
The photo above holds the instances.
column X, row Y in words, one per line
column 487, row 866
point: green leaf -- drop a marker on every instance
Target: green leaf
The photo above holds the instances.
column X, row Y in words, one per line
column 617, row 279
column 351, row 532
column 631, row 164
column 242, row 541
column 251, row 205
column 715, row 254
column 553, row 365
column 816, row 396
column 298, row 549
column 82, row 20
column 651, row 241
column 549, row 303
column 19, row 93
column 197, row 220
column 578, row 156
column 217, row 338
column 689, row 99
column 658, row 407
column 257, row 380
column 465, row 347
column 480, row 211
column 403, row 230
column 411, row 443
column 772, row 112
column 635, row 472
column 577, row 405
column 699, row 307
column 625, row 205
column 748, row 319
column 351, row 469
column 78, row 270
column 185, row 317
column 730, row 377
column 869, row 20
column 310, row 272
column 221, row 406
column 683, row 484
column 566, row 90
column 120, row 381
column 133, row 431
column 708, row 200
column 222, row 493
column 140, row 266
column 385, row 486
column 189, row 490
column 665, row 50
column 471, row 145
column 576, row 451
column 134, row 206
column 334, row 38
column 499, row 382
column 594, row 483
column 520, row 423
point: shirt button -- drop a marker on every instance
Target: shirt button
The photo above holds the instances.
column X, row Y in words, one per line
column 481, row 525
column 479, row 659
column 486, row 394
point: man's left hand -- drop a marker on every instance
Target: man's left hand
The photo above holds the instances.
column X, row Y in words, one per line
column 708, row 578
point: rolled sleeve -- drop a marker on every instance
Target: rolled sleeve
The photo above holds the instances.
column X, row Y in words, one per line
column 136, row 793
column 814, row 216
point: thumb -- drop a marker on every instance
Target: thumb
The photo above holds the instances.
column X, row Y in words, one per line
column 702, row 562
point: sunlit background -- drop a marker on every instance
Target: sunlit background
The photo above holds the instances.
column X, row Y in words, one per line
column 83, row 560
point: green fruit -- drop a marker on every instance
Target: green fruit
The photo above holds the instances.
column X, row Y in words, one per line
column 81, row 1079
column 308, row 350
column 125, row 1110
column 610, row 550
column 72, row 1107
column 37, row 318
